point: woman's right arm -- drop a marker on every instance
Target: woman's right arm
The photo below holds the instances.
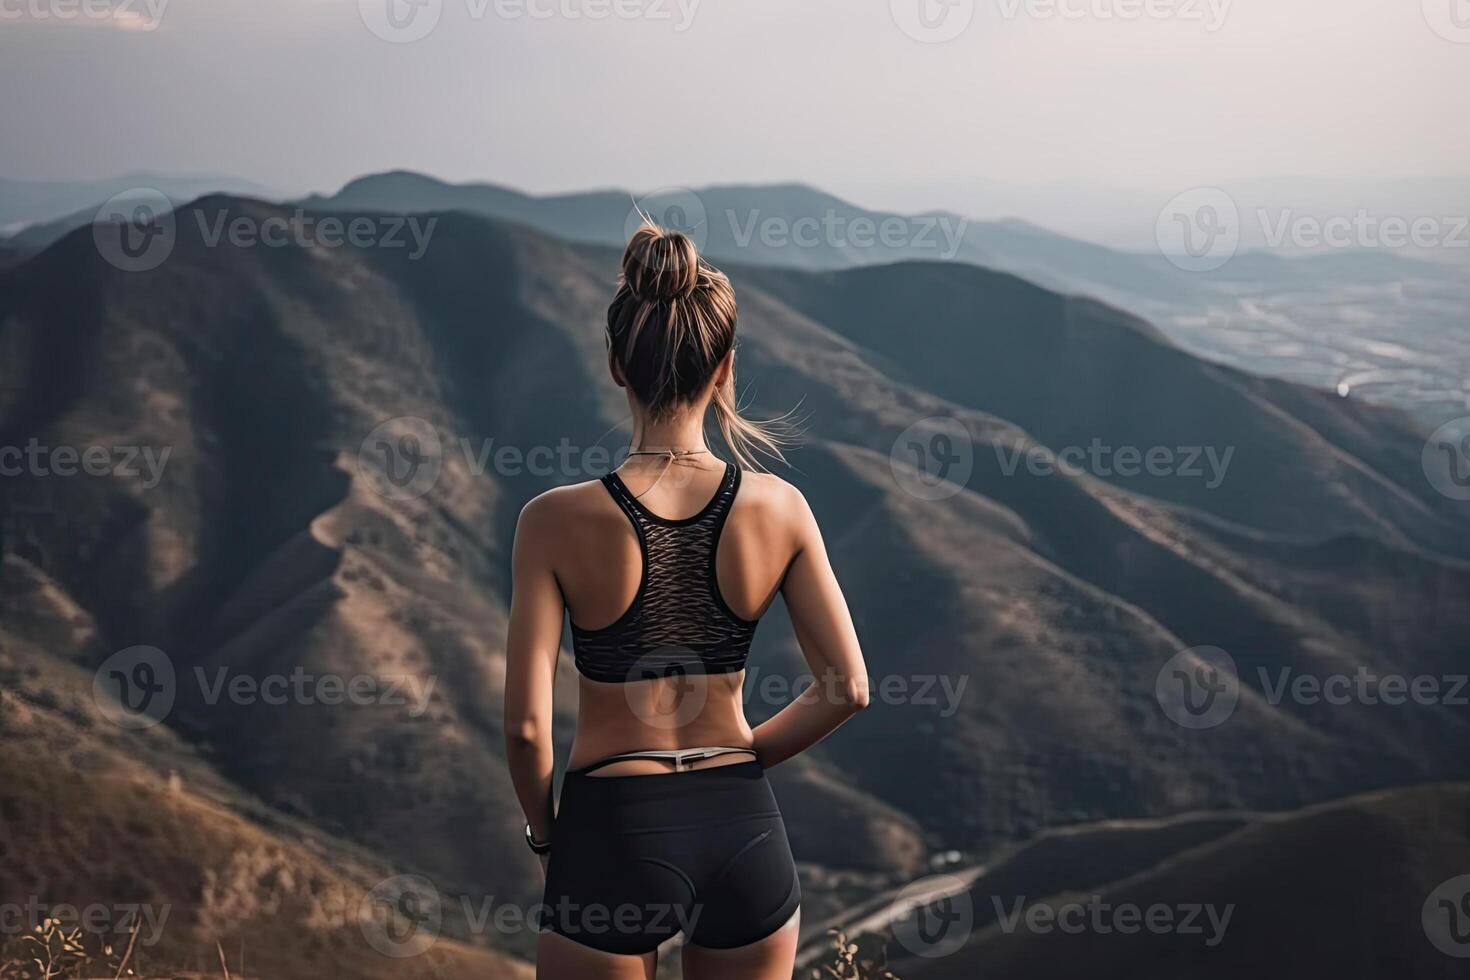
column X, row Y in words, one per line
column 829, row 643
column 536, row 612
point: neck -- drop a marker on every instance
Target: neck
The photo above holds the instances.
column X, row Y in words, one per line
column 683, row 432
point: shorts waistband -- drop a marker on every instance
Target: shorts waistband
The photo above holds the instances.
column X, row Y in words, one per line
column 683, row 759
column 659, row 801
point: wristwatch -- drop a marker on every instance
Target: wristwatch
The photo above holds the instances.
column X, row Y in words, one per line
column 536, row 846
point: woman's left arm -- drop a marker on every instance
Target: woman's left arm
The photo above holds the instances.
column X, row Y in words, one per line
column 534, row 640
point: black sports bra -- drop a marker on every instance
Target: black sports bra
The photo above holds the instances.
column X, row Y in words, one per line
column 678, row 622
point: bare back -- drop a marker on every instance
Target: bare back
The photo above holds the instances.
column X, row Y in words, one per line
column 598, row 566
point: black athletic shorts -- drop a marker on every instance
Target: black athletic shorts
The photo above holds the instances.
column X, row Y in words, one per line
column 637, row 859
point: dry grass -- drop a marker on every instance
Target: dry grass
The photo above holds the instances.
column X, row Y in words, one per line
column 54, row 952
column 846, row 962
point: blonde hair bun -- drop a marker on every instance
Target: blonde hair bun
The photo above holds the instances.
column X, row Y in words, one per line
column 661, row 266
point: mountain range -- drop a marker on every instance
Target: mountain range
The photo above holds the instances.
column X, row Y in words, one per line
column 1020, row 618
column 1377, row 323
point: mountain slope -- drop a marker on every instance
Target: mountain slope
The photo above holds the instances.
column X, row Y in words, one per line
column 277, row 539
column 93, row 816
column 1337, row 890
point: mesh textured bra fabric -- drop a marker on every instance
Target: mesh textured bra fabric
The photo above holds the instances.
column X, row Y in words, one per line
column 678, row 622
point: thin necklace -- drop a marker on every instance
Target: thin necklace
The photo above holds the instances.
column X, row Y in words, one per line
column 670, row 453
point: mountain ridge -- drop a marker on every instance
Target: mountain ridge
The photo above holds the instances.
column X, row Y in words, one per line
column 1059, row 597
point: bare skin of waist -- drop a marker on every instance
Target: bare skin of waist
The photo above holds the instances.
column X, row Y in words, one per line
column 667, row 713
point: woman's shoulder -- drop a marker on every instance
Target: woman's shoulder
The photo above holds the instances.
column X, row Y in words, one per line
column 768, row 487
column 769, row 497
column 554, row 507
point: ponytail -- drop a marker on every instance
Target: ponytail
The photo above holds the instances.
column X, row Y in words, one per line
column 747, row 437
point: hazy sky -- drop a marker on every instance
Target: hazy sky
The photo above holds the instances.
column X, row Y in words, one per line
column 546, row 95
